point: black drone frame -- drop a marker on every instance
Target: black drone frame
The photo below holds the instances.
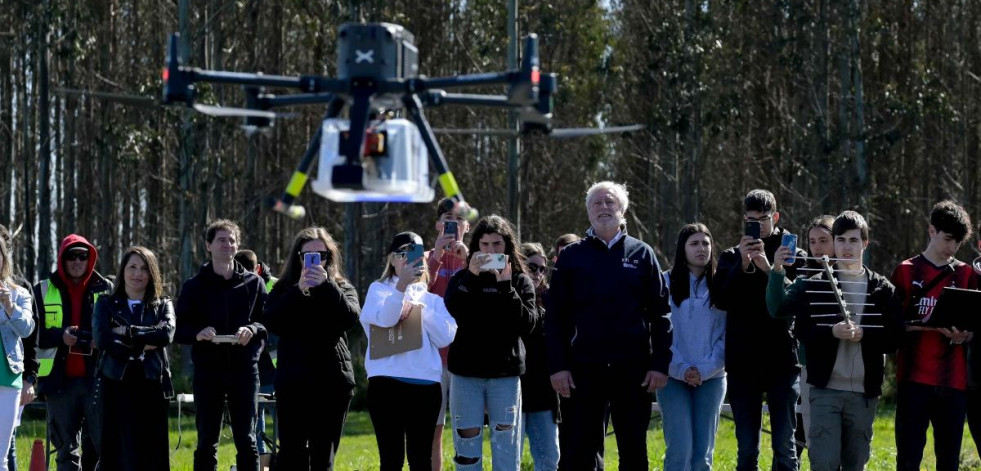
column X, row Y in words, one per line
column 365, row 78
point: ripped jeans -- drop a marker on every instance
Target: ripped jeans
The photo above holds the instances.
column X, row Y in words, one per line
column 500, row 398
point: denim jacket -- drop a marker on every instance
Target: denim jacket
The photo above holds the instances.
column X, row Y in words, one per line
column 16, row 325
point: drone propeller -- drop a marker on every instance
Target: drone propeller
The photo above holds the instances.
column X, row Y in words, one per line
column 559, row 133
column 223, row 112
column 134, row 100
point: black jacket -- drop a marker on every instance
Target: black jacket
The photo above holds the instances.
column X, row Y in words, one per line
column 154, row 327
column 880, row 334
column 753, row 337
column 50, row 336
column 312, row 333
column 537, row 393
column 210, row 300
column 491, row 316
column 608, row 306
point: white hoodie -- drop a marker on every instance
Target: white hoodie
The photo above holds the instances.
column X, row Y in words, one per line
column 383, row 308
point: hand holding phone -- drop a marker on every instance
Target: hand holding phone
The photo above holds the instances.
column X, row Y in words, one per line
column 413, row 256
column 495, row 261
column 451, row 228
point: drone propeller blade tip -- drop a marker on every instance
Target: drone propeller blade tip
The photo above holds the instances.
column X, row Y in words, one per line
column 292, row 211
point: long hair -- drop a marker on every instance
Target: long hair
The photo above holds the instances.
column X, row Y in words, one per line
column 7, row 268
column 389, row 272
column 154, row 288
column 680, row 287
column 294, row 260
column 495, row 224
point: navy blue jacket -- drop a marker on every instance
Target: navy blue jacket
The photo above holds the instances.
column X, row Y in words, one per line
column 608, row 306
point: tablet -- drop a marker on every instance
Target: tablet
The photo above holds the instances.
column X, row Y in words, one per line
column 956, row 307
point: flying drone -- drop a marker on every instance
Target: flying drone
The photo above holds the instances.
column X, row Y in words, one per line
column 375, row 156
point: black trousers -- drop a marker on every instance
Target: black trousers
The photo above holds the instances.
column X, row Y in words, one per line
column 918, row 406
column 311, row 422
column 134, row 424
column 73, row 421
column 974, row 415
column 211, row 387
column 404, row 417
column 597, row 389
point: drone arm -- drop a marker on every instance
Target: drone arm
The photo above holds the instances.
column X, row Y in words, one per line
column 446, row 179
column 298, row 99
column 300, row 175
column 440, row 97
column 473, row 80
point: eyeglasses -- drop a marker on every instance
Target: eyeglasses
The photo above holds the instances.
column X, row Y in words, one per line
column 400, row 255
column 534, row 267
column 324, row 254
column 72, row 256
column 760, row 219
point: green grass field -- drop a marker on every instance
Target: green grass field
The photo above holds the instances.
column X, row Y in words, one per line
column 359, row 452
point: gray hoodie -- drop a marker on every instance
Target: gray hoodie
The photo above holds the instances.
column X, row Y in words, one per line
column 699, row 331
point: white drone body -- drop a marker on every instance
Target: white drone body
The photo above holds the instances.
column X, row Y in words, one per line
column 396, row 164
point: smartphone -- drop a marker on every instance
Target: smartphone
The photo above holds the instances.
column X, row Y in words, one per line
column 310, row 259
column 451, row 227
column 414, row 254
column 790, row 240
column 752, row 229
column 496, row 261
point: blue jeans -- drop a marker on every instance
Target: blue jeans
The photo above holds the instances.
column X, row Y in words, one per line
column 691, row 417
column 746, row 392
column 543, row 439
column 500, row 398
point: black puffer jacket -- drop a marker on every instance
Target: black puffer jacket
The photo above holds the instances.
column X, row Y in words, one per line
column 154, row 327
column 312, row 333
column 209, row 300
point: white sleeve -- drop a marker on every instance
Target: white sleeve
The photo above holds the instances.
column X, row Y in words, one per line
column 382, row 306
column 438, row 322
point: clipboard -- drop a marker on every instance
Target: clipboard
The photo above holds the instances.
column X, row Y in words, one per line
column 956, row 307
column 405, row 336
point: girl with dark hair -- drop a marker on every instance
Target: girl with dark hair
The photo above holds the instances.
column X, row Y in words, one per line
column 404, row 393
column 539, row 401
column 493, row 309
column 311, row 308
column 131, row 328
column 17, row 323
column 692, row 399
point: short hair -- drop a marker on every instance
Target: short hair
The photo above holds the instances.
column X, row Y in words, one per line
column 154, row 287
column 948, row 216
column 247, row 258
column 849, row 220
column 221, row 225
column 444, row 206
column 618, row 190
column 562, row 241
column 760, row 200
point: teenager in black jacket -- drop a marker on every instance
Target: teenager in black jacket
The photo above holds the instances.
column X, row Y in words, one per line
column 132, row 329
column 311, row 308
column 493, row 309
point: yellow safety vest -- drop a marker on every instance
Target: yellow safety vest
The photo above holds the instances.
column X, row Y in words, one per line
column 53, row 316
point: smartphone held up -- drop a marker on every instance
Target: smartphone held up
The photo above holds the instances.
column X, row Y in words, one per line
column 495, row 261
column 790, row 240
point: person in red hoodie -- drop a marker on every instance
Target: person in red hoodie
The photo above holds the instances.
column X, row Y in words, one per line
column 63, row 307
column 448, row 256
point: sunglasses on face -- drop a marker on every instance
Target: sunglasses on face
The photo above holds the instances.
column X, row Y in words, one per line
column 536, row 268
column 83, row 256
column 324, row 255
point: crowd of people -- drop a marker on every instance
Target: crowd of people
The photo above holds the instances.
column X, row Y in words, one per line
column 500, row 334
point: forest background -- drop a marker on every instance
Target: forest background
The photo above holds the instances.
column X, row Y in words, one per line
column 872, row 105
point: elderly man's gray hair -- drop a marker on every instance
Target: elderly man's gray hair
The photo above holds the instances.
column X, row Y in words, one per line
column 618, row 190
